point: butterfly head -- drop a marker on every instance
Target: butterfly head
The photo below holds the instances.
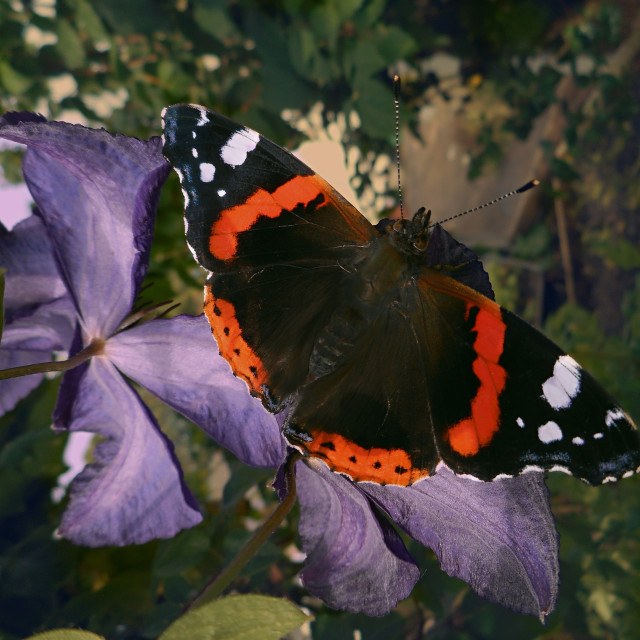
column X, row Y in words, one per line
column 411, row 236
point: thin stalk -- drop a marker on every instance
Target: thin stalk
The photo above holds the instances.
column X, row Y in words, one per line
column 94, row 349
column 214, row 588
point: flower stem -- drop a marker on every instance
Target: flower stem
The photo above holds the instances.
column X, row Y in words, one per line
column 95, row 348
column 219, row 583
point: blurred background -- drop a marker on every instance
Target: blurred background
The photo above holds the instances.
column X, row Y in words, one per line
column 494, row 93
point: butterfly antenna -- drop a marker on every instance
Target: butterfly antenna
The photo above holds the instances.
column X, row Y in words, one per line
column 396, row 102
column 504, row 196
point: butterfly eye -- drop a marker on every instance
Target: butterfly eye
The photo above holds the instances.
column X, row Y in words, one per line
column 420, row 243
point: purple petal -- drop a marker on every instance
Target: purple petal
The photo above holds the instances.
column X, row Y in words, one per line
column 32, row 275
column 13, row 390
column 97, row 194
column 499, row 536
column 178, row 361
column 355, row 559
column 133, row 490
column 31, row 339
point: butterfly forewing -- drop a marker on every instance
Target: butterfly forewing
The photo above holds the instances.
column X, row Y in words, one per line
column 263, row 224
column 551, row 414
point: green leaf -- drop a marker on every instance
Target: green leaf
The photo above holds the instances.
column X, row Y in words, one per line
column 374, row 103
column 13, row 81
column 346, row 8
column 69, row 45
column 614, row 250
column 325, row 23
column 243, row 617
column 215, row 21
column 393, row 43
column 65, row 634
column 91, row 21
column 181, row 552
column 370, row 13
column 361, row 62
column 302, row 48
column 2, row 272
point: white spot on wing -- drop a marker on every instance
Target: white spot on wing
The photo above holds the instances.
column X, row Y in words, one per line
column 207, row 171
column 235, row 150
column 627, row 474
column 530, row 468
column 578, row 440
column 609, row 479
column 563, row 386
column 612, row 416
column 549, row 432
column 202, row 120
column 598, row 436
column 222, row 192
column 561, row 469
column 194, row 152
column 193, row 135
column 520, row 422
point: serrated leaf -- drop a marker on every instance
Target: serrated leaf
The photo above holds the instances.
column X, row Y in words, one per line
column 238, row 617
column 65, row 634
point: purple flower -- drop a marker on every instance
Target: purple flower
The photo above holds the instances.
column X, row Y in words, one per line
column 96, row 195
column 73, row 275
column 38, row 310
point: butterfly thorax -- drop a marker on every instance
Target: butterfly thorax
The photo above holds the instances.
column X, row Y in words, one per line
column 379, row 275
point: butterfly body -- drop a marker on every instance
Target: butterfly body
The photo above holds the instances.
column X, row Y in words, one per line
column 382, row 342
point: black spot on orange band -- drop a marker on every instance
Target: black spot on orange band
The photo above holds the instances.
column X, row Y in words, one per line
column 374, row 465
column 233, row 347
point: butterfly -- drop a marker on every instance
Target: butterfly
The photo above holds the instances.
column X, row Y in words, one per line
column 382, row 343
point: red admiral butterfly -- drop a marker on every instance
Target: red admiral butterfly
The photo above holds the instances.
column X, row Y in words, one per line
column 389, row 365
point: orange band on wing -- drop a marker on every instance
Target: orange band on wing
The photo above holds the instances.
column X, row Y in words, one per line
column 223, row 242
column 375, row 465
column 233, row 347
column 467, row 436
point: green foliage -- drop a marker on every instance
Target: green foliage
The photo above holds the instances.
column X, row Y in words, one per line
column 65, row 634
column 237, row 618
